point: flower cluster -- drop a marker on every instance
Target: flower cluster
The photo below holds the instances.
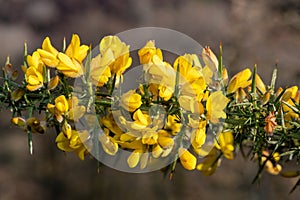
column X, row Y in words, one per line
column 188, row 111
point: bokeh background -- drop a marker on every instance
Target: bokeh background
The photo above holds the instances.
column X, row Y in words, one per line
column 252, row 32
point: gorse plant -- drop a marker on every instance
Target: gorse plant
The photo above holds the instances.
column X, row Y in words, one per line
column 188, row 112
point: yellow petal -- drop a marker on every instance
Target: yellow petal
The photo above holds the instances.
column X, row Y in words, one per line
column 187, row 160
column 134, row 158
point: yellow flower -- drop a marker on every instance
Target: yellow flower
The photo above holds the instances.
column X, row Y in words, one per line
column 260, row 84
column 148, row 51
column 69, row 66
column 150, row 137
column 75, row 111
column 189, row 67
column 191, row 104
column 210, row 59
column 160, row 73
column 140, row 118
column 240, row 80
column 187, row 160
column 288, row 97
column 34, row 79
column 173, row 123
column 35, row 61
column 75, row 143
column 108, row 144
column 120, row 50
column 198, row 137
column 215, row 105
column 100, row 71
column 75, row 50
column 131, row 101
column 210, row 164
column 134, row 158
column 225, row 143
column 194, row 89
column 272, row 168
column 60, row 108
column 165, row 140
column 48, row 53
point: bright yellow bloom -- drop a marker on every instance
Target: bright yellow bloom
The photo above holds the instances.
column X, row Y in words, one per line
column 210, row 164
column 198, row 137
column 34, row 79
column 69, row 66
column 215, row 105
column 173, row 123
column 75, row 111
column 100, row 71
column 225, row 143
column 120, row 50
column 240, row 80
column 148, row 51
column 75, row 50
column 60, row 108
column 187, row 160
column 48, row 53
column 131, row 101
column 210, row 59
column 75, row 143
column 140, row 118
column 35, row 61
column 189, row 67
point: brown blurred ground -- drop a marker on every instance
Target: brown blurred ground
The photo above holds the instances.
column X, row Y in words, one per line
column 261, row 32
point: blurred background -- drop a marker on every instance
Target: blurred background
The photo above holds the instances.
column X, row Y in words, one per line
column 252, row 32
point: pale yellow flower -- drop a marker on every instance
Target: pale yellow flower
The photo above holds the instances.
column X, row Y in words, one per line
column 134, row 158
column 108, row 143
column 160, row 73
column 100, row 71
column 210, row 59
column 75, row 111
